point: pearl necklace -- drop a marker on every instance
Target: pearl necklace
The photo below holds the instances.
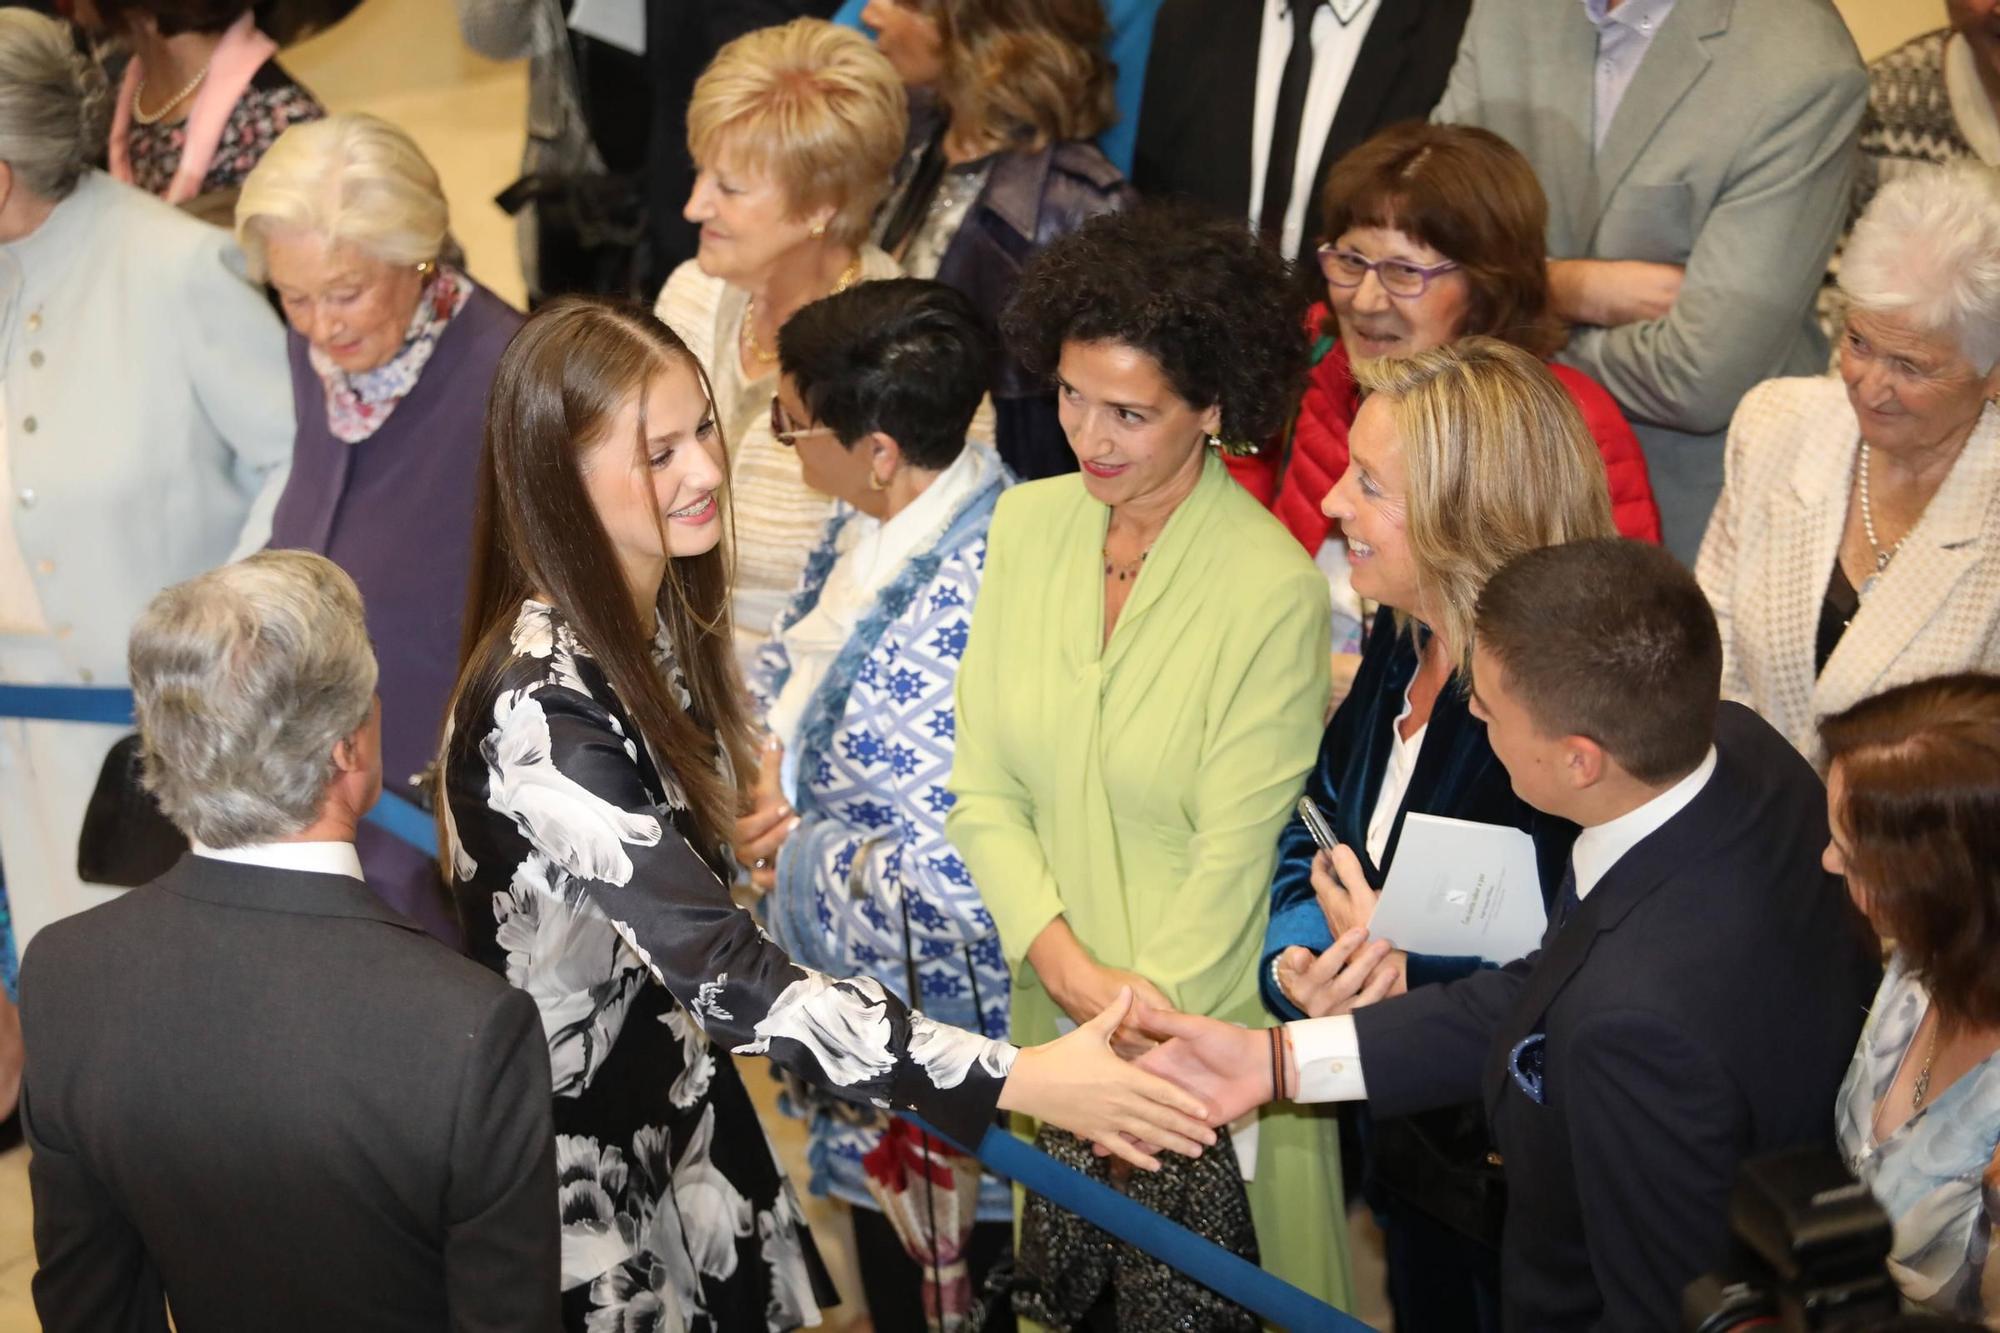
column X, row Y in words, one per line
column 1882, row 557
column 846, row 280
column 139, row 93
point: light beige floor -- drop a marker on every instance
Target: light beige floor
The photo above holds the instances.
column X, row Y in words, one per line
column 402, row 59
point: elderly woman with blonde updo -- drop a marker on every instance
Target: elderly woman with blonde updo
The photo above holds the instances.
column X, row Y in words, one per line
column 795, row 132
column 393, row 349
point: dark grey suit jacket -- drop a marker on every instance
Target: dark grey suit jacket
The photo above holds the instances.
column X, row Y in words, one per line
column 1698, row 1009
column 264, row 1097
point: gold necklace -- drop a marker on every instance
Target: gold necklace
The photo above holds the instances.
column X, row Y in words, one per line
column 1126, row 570
column 139, row 93
column 846, row 280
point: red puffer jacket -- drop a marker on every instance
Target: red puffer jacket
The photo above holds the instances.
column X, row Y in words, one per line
column 1319, row 450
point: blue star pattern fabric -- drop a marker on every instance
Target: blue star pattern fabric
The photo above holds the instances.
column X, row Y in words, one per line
column 874, row 762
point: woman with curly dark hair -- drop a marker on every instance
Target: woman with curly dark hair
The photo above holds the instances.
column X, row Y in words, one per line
column 1146, row 675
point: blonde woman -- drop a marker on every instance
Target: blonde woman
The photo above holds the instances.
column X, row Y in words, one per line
column 1006, row 96
column 1460, row 458
column 392, row 351
column 795, row 131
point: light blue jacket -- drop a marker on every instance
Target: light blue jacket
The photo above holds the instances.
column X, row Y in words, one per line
column 149, row 417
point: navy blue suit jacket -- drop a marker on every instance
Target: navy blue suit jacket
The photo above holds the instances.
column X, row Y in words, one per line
column 1699, row 1008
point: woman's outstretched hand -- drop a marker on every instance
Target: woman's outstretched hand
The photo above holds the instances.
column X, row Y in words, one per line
column 1078, row 1083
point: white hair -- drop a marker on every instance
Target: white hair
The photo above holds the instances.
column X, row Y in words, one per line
column 1928, row 248
column 52, row 104
column 244, row 679
column 351, row 178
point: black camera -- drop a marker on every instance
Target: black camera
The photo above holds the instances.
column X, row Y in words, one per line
column 1810, row 1250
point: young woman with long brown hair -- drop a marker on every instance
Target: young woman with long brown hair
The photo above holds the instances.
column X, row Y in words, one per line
column 589, row 793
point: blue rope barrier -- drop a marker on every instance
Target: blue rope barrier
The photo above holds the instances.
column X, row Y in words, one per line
column 111, row 705
column 1269, row 1297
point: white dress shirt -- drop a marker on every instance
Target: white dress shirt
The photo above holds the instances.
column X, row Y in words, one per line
column 319, row 858
column 1335, row 47
column 1327, row 1050
column 1395, row 780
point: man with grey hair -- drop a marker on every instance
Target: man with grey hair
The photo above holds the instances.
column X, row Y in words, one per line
column 254, row 1092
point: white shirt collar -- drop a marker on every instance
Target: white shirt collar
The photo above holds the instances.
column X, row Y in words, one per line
column 872, row 554
column 319, row 858
column 1602, row 846
column 1643, row 16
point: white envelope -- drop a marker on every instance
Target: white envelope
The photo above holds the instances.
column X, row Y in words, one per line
column 1461, row 888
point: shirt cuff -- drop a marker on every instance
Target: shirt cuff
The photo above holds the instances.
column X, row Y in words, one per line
column 1328, row 1054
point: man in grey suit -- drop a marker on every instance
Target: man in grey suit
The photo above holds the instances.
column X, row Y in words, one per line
column 254, row 1093
column 1697, row 156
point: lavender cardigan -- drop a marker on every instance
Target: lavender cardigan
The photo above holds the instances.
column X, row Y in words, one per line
column 395, row 512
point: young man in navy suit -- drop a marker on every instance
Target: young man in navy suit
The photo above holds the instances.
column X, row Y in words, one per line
column 1698, row 992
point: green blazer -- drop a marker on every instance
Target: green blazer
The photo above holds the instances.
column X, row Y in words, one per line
column 1138, row 787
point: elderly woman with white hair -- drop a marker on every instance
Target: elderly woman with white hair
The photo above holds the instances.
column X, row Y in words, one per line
column 393, row 349
column 144, row 427
column 1857, row 542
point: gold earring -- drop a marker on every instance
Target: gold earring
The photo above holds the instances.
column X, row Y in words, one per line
column 817, row 230
column 424, row 268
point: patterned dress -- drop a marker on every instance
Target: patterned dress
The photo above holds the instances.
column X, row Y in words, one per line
column 272, row 104
column 1938, row 1175
column 571, row 863
column 868, row 880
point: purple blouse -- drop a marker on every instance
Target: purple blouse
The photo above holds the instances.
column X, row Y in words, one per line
column 395, row 511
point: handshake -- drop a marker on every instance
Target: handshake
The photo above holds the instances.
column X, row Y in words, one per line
column 1137, row 1076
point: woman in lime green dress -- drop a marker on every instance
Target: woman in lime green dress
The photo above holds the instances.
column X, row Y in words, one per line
column 1147, row 673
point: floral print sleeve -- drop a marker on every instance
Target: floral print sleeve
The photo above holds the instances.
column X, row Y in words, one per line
column 562, row 768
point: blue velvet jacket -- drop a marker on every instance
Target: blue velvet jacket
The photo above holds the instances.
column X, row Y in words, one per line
column 1457, row 775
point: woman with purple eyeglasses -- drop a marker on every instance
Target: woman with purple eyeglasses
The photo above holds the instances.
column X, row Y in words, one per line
column 1433, row 233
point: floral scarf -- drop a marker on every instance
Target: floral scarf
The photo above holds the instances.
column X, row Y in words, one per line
column 357, row 404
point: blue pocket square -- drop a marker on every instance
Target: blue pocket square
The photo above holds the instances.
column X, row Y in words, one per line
column 1524, row 1062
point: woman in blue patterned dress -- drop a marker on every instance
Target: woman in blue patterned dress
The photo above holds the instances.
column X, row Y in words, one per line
column 1913, row 802
column 878, row 386
column 588, row 799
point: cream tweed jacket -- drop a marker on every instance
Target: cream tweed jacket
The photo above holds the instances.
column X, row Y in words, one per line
column 1770, row 548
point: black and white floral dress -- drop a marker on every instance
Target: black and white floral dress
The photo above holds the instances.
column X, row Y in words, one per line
column 573, row 872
